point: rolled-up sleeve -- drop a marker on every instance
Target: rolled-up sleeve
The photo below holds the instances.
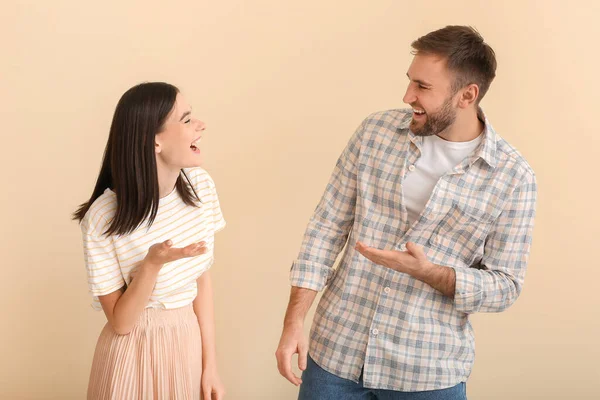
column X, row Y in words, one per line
column 330, row 223
column 496, row 286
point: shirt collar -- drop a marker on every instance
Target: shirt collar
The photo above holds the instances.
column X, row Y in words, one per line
column 487, row 148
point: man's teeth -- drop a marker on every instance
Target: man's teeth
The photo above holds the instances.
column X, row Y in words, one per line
column 419, row 112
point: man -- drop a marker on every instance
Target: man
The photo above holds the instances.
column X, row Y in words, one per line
column 437, row 210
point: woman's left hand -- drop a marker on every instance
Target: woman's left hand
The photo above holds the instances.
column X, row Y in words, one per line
column 212, row 387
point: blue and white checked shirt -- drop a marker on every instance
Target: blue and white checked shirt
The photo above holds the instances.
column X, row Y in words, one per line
column 478, row 221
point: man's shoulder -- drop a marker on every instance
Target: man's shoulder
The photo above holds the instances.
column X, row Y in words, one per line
column 509, row 157
column 397, row 119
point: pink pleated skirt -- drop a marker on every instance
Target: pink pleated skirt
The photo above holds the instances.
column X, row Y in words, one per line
column 160, row 359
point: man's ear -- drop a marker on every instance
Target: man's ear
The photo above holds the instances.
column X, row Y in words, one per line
column 469, row 95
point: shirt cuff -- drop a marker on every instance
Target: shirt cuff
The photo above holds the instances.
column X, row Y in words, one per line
column 468, row 293
column 310, row 275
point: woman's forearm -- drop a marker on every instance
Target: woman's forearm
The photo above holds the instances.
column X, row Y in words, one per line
column 133, row 301
column 204, row 309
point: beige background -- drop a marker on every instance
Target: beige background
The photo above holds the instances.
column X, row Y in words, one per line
column 282, row 86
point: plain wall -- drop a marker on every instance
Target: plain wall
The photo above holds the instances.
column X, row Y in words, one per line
column 282, row 86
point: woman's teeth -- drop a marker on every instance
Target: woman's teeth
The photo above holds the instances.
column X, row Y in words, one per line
column 195, row 145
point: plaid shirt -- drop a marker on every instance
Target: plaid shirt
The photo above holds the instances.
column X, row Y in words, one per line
column 478, row 221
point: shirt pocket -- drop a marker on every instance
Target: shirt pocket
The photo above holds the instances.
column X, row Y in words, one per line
column 461, row 233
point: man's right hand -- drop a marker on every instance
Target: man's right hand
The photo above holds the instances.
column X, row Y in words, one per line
column 292, row 342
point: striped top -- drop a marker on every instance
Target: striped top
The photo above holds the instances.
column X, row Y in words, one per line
column 478, row 221
column 110, row 260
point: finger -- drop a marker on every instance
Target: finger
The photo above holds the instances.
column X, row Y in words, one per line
column 202, row 249
column 165, row 246
column 281, row 357
column 362, row 249
column 194, row 246
column 195, row 249
column 368, row 251
column 206, row 393
column 416, row 251
column 284, row 364
column 302, row 356
column 176, row 253
column 373, row 254
column 290, row 376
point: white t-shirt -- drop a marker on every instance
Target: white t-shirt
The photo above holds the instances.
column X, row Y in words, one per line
column 438, row 157
column 109, row 260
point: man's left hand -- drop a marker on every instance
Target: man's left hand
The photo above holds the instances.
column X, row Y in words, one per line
column 412, row 261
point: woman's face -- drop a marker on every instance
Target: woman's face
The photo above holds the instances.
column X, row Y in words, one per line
column 178, row 144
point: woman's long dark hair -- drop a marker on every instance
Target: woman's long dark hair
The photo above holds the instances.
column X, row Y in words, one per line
column 129, row 163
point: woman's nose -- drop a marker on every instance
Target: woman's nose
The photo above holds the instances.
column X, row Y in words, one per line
column 200, row 126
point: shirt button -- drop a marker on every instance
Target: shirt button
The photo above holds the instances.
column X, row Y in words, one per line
column 387, row 290
column 375, row 332
column 403, row 247
column 411, row 168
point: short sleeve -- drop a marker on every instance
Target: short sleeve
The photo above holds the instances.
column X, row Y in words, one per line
column 103, row 270
column 219, row 221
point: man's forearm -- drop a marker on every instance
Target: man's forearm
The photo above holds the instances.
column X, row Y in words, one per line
column 300, row 301
column 441, row 278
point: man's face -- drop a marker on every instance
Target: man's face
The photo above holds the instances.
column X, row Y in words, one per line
column 430, row 95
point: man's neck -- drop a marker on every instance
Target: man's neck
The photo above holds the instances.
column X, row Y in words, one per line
column 465, row 128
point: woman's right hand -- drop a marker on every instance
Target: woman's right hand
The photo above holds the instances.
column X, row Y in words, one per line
column 162, row 253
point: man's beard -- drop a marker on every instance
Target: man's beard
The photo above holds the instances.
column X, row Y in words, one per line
column 436, row 122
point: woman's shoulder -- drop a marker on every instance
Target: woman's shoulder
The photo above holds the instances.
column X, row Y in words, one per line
column 98, row 216
column 200, row 178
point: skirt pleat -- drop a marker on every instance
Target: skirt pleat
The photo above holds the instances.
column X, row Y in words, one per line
column 161, row 358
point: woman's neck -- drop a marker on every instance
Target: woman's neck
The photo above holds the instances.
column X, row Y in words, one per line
column 167, row 178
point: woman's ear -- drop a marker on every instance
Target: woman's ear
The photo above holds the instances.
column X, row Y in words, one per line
column 157, row 147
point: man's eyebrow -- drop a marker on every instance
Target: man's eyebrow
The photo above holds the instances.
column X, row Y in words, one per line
column 420, row 82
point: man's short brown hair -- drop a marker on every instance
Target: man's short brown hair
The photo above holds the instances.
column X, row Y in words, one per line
column 467, row 55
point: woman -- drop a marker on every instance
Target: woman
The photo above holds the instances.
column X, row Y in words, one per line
column 148, row 244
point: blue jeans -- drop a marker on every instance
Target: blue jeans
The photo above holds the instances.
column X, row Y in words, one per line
column 318, row 384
